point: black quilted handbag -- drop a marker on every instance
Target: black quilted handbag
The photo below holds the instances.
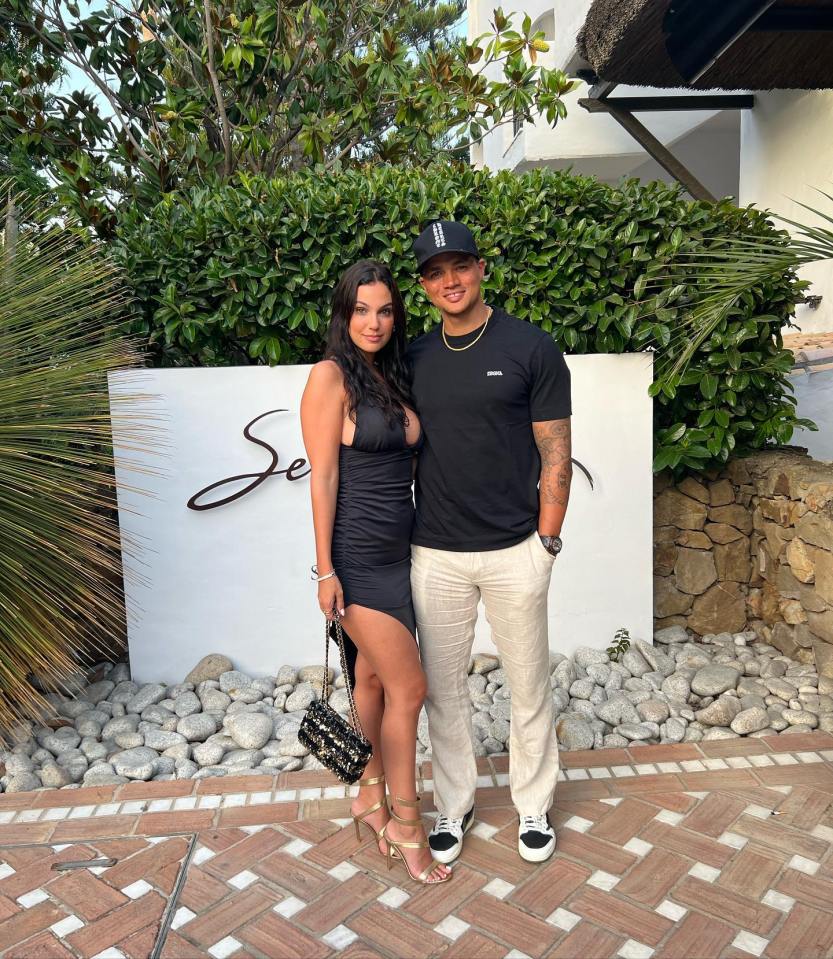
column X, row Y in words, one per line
column 334, row 742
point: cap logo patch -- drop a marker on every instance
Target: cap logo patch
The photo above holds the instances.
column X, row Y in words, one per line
column 439, row 236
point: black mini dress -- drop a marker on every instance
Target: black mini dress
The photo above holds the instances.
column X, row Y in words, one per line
column 371, row 546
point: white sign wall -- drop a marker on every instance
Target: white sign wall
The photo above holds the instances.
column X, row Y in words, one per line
column 235, row 578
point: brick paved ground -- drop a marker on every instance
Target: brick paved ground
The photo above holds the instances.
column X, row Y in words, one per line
column 723, row 849
column 813, row 352
column 807, row 341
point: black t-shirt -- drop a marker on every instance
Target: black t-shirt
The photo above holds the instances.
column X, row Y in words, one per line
column 477, row 474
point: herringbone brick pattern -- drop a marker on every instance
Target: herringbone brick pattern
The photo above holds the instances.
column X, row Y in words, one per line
column 117, row 910
column 722, row 853
column 720, row 874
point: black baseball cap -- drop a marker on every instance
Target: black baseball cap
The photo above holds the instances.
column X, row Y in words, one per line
column 444, row 236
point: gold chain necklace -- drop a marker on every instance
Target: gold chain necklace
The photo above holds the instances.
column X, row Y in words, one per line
column 459, row 349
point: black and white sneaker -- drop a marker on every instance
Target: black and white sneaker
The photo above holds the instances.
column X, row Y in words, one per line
column 536, row 838
column 446, row 838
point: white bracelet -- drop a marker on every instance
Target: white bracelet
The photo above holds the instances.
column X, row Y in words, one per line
column 320, row 579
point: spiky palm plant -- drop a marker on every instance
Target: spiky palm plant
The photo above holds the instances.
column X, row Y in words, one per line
column 721, row 373
column 728, row 267
column 61, row 597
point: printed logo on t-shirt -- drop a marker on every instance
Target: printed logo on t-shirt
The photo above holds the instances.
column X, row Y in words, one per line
column 494, row 373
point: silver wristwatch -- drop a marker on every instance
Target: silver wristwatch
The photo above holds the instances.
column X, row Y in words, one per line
column 552, row 544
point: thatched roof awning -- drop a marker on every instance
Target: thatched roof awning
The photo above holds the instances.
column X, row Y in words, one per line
column 628, row 41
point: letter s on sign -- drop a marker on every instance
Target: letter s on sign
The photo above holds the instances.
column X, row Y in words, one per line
column 293, row 472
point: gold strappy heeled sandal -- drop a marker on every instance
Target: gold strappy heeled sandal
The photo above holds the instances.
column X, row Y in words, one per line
column 369, row 811
column 395, row 847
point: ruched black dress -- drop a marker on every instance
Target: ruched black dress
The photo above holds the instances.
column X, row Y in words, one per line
column 371, row 546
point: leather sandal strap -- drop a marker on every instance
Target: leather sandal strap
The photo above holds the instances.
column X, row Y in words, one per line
column 404, row 822
column 426, row 872
column 407, row 802
column 371, row 782
column 370, row 809
column 422, row 844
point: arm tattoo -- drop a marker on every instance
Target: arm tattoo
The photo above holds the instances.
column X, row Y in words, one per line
column 553, row 441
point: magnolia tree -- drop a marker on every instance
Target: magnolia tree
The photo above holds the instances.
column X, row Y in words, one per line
column 18, row 169
column 177, row 93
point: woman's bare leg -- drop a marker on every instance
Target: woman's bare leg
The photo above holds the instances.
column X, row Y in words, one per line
column 370, row 703
column 391, row 653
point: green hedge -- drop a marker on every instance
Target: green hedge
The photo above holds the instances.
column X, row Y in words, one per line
column 242, row 273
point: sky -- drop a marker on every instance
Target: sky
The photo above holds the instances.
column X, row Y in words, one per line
column 75, row 79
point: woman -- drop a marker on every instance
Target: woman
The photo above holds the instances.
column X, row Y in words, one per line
column 361, row 434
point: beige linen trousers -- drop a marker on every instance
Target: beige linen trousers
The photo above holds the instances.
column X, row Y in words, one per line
column 513, row 584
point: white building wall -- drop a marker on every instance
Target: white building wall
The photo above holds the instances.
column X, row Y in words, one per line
column 594, row 144
column 776, row 155
column 711, row 152
column 786, row 157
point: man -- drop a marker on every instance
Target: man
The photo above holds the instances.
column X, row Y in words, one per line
column 493, row 481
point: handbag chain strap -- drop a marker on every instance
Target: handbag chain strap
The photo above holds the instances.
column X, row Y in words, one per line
column 325, row 686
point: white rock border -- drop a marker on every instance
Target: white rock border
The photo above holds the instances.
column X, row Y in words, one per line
column 221, row 721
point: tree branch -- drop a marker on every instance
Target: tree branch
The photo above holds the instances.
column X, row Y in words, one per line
column 270, row 53
column 163, row 17
column 225, row 127
column 353, row 143
column 84, row 64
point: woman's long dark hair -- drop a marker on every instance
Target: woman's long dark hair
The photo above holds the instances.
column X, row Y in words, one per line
column 389, row 387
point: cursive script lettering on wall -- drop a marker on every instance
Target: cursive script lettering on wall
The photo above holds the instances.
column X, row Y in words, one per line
column 294, row 471
column 586, row 472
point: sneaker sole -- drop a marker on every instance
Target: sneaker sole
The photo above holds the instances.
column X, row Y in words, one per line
column 446, row 856
column 536, row 855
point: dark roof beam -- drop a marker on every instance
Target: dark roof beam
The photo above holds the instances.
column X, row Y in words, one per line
column 656, row 149
column 717, row 101
column 794, row 20
column 699, row 32
column 602, row 89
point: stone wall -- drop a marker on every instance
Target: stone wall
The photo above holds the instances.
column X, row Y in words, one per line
column 750, row 547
